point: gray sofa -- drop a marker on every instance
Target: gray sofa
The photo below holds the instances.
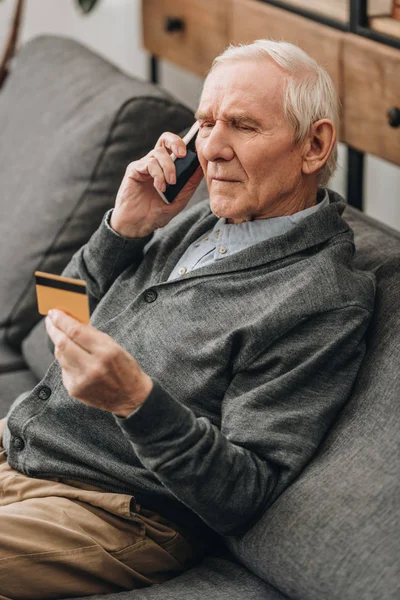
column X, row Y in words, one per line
column 70, row 123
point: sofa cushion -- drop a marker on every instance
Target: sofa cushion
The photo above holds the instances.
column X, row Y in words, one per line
column 375, row 241
column 13, row 384
column 335, row 532
column 70, row 124
column 37, row 350
column 10, row 359
column 214, row 579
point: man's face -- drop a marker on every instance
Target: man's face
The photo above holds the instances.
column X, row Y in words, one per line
column 245, row 145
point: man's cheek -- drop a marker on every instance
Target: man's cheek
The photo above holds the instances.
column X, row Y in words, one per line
column 204, row 166
column 202, row 160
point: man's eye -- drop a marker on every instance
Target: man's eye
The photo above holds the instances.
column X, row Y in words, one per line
column 208, row 125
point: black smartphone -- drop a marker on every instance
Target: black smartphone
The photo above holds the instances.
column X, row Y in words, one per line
column 185, row 167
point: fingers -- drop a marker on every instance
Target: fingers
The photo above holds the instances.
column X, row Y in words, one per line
column 158, row 164
column 151, row 167
column 168, row 147
column 63, row 329
column 68, row 353
column 162, row 168
column 173, row 143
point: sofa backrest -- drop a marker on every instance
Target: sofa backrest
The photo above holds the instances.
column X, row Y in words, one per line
column 70, row 124
column 335, row 532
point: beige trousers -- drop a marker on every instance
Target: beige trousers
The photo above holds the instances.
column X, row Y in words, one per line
column 61, row 538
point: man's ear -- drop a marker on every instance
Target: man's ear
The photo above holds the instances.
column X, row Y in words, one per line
column 318, row 146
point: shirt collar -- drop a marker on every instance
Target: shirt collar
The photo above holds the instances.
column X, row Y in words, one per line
column 231, row 238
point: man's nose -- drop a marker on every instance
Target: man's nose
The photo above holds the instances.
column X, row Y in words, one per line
column 217, row 145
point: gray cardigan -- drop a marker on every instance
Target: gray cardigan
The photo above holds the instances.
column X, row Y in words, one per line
column 252, row 359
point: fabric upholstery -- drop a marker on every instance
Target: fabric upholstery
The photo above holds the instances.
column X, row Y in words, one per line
column 215, row 579
column 375, row 241
column 12, row 384
column 335, row 533
column 10, row 359
column 70, row 124
column 37, row 350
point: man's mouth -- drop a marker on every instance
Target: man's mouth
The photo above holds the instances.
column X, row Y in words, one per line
column 225, row 179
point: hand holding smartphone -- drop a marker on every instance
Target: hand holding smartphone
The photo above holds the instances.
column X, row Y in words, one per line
column 185, row 167
column 138, row 211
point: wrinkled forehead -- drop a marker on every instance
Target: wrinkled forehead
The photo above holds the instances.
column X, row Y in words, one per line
column 252, row 86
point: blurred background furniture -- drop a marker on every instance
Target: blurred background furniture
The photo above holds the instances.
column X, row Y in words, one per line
column 15, row 26
column 357, row 41
column 12, row 40
column 70, row 124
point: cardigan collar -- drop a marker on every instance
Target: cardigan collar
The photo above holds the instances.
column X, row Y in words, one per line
column 316, row 229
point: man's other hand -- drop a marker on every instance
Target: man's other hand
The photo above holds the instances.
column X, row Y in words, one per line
column 95, row 369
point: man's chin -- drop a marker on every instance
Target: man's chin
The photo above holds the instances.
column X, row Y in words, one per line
column 222, row 206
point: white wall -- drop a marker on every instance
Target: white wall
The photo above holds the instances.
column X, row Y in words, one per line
column 114, row 30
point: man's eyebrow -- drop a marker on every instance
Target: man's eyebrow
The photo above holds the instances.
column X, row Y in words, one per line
column 236, row 117
column 201, row 115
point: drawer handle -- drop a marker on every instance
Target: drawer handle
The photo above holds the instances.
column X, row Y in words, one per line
column 174, row 24
column 393, row 115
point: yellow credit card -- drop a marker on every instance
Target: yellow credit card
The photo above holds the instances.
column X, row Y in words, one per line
column 64, row 293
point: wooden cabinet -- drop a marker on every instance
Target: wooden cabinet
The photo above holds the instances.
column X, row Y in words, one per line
column 371, row 81
column 333, row 9
column 253, row 20
column 190, row 33
column 366, row 73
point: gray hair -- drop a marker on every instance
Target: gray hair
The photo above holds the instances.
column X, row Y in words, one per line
column 310, row 93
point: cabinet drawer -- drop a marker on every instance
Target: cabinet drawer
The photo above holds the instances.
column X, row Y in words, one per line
column 191, row 33
column 253, row 20
column 372, row 87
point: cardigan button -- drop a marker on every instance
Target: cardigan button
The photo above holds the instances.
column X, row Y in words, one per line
column 150, row 296
column 18, row 443
column 44, row 392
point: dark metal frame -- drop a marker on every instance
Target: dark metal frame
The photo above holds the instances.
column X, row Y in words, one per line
column 358, row 24
column 154, row 68
column 355, row 177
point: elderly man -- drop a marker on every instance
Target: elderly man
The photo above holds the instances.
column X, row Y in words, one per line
column 223, row 342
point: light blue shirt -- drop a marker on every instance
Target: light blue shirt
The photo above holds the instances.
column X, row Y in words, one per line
column 224, row 239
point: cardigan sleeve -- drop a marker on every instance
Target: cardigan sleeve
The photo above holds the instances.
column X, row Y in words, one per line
column 103, row 258
column 275, row 414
